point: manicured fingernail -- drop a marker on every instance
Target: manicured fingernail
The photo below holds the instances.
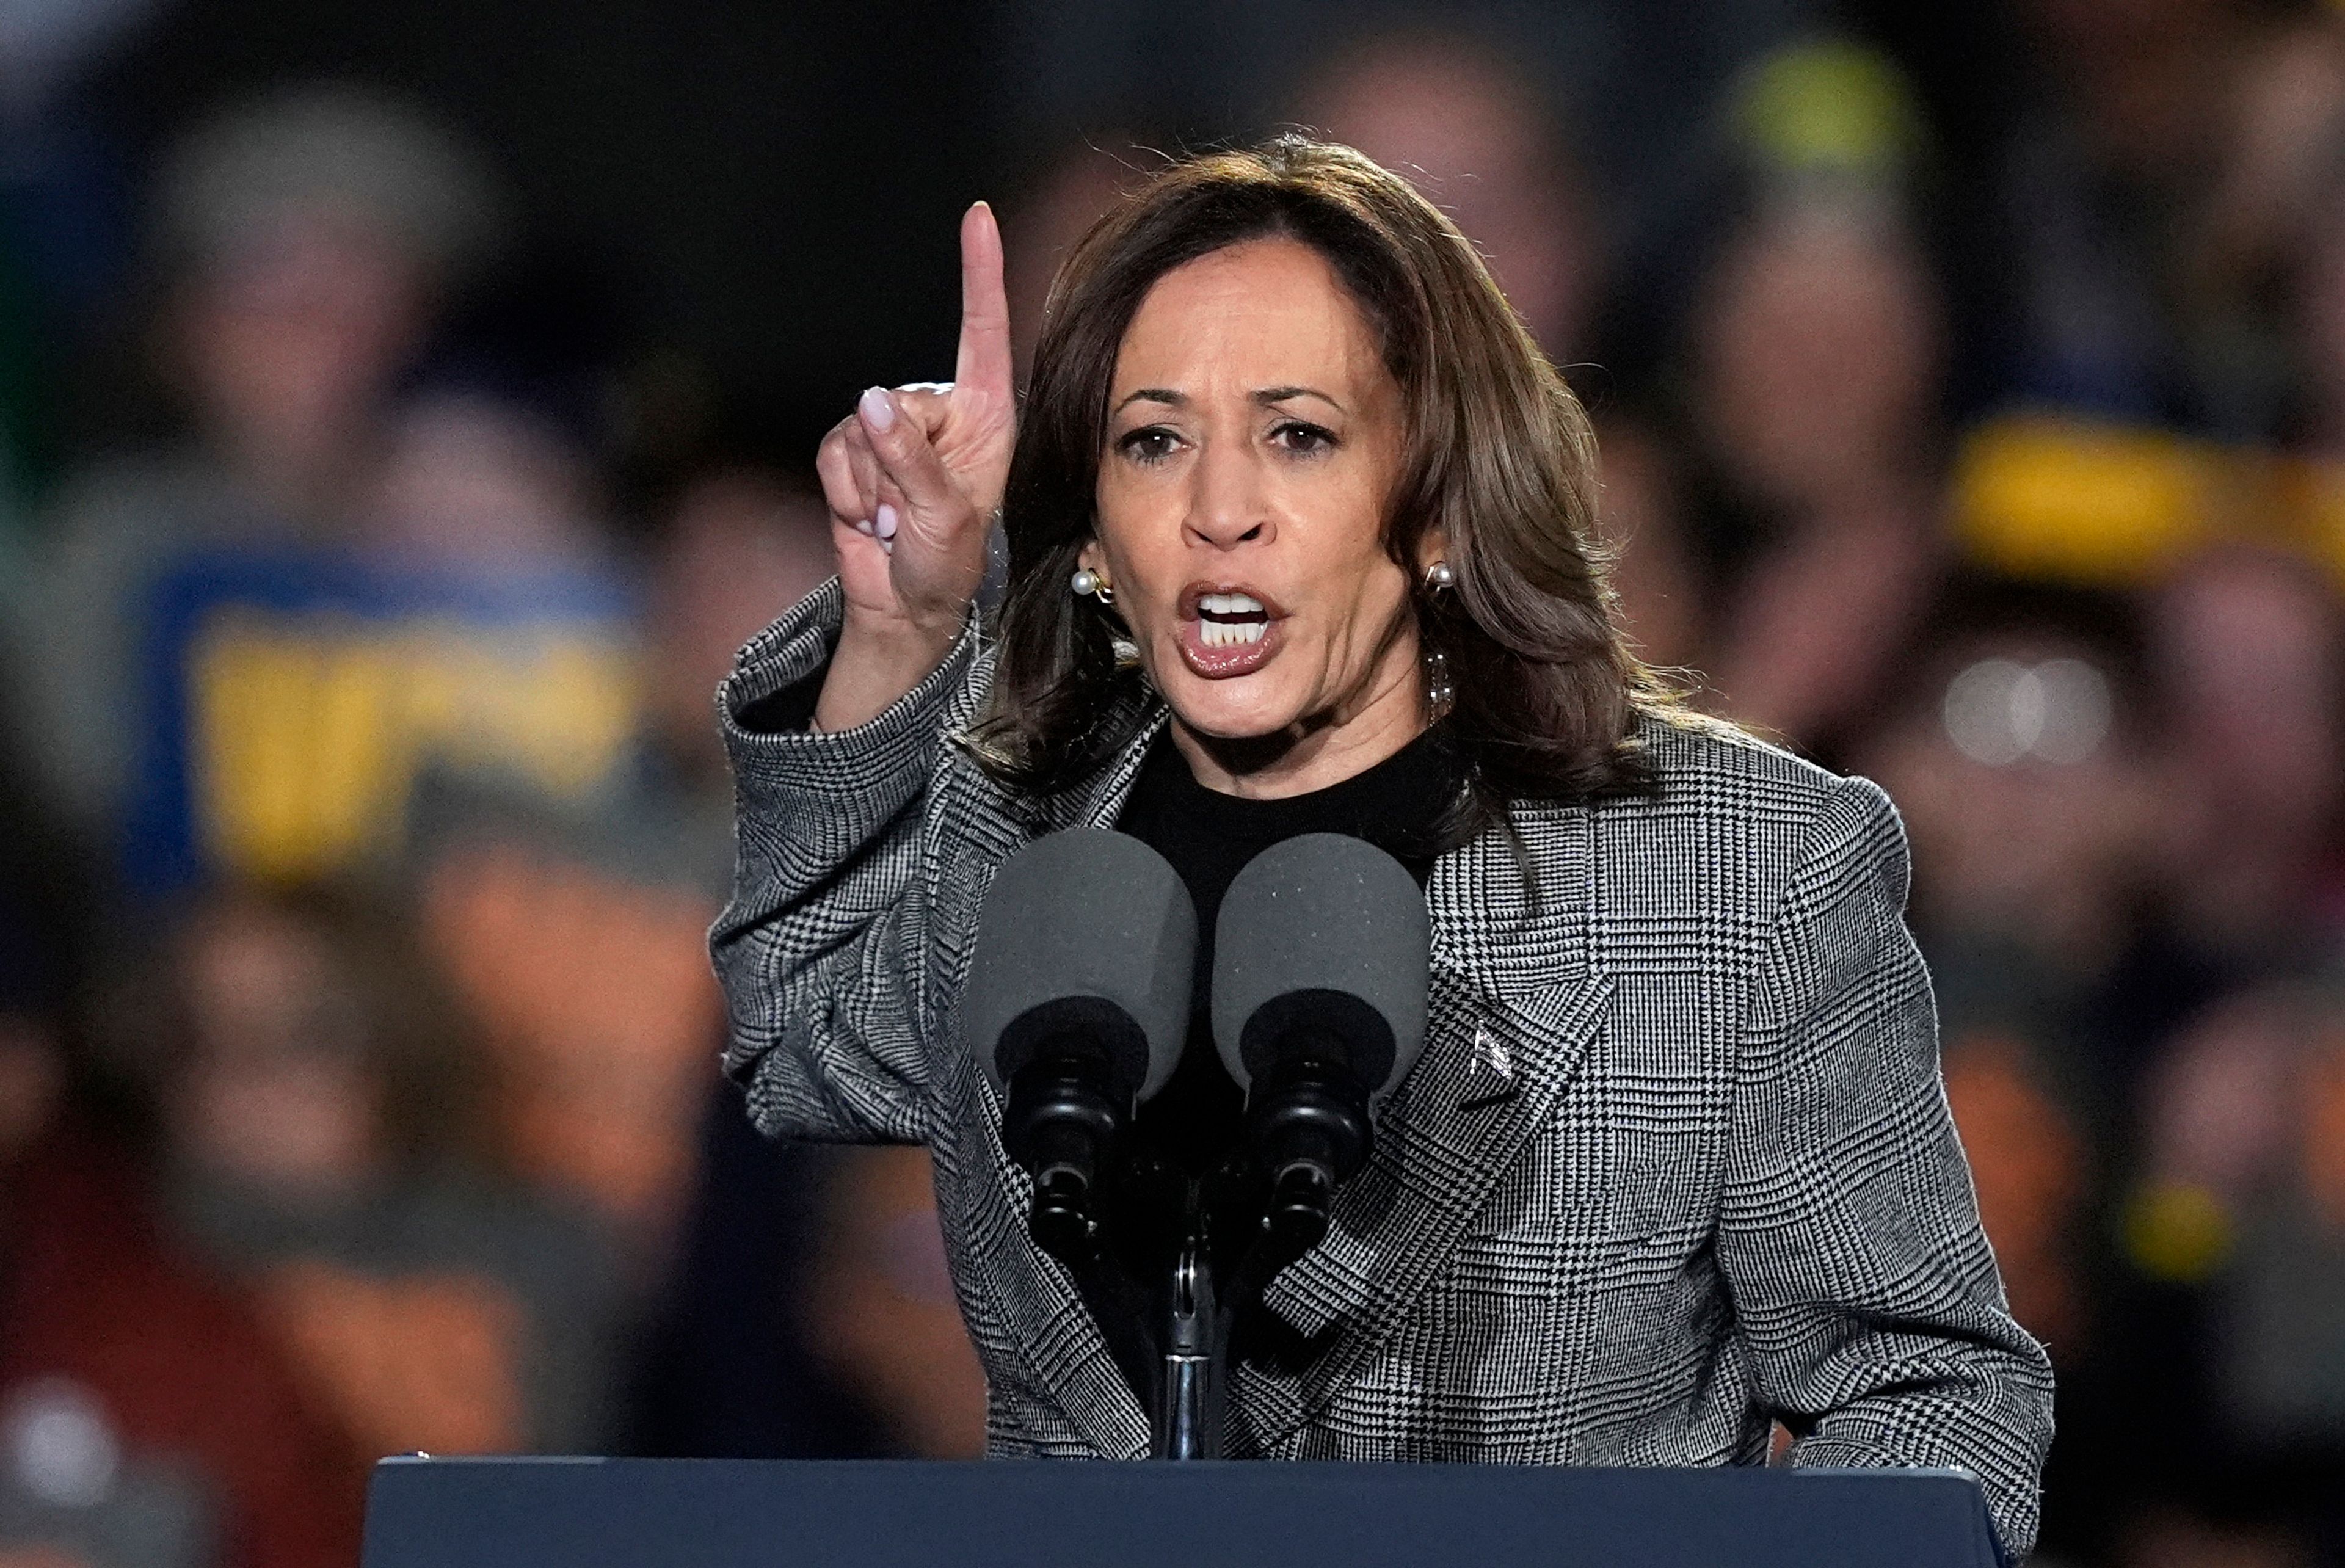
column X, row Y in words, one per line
column 884, row 523
column 878, row 408
column 888, row 546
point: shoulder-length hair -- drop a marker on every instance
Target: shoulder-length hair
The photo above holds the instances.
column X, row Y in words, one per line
column 1500, row 458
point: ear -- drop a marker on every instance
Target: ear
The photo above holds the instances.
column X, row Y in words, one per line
column 1091, row 558
column 1432, row 545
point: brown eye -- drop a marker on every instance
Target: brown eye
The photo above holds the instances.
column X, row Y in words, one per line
column 1150, row 444
column 1302, row 438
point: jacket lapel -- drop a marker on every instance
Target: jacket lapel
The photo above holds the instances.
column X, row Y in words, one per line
column 1051, row 1330
column 1513, row 1009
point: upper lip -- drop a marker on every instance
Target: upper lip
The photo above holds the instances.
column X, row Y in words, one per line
column 1192, row 596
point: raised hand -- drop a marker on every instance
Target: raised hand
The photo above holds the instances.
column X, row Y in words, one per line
column 912, row 479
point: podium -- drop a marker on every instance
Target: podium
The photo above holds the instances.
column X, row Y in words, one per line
column 737, row 1514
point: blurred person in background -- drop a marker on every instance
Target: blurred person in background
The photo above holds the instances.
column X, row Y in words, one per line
column 300, row 242
column 449, row 601
column 2226, row 1223
column 2143, row 182
column 498, row 440
column 2248, row 654
column 2016, row 746
column 2316, row 296
column 149, row 1419
column 881, row 1311
column 1662, row 601
column 2273, row 197
column 601, row 1047
column 739, row 538
column 1773, row 476
column 1464, row 124
column 321, row 1148
column 1065, row 193
column 1815, row 399
column 2236, row 1227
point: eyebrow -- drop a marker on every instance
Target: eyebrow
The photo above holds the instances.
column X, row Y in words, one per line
column 1265, row 397
column 1270, row 395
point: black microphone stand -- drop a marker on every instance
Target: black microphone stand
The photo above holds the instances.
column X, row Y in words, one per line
column 1308, row 1132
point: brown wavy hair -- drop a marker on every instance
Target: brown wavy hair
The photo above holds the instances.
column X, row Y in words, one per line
column 1500, row 458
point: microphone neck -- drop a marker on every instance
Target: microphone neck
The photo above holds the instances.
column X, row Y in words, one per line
column 1308, row 1122
column 1062, row 1126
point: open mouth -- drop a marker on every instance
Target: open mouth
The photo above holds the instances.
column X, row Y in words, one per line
column 1226, row 631
column 1231, row 620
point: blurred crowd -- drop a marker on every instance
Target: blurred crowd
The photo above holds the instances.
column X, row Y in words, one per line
column 1972, row 418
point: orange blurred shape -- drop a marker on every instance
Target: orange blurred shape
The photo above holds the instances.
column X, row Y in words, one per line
column 881, row 1309
column 2028, row 1163
column 2324, row 1128
column 426, row 1361
column 603, row 1019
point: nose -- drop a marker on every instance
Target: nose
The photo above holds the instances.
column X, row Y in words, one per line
column 1228, row 503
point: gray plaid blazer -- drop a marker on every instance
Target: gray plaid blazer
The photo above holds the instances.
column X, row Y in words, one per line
column 1676, row 1160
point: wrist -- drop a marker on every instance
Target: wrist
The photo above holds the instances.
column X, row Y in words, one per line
column 876, row 662
column 902, row 640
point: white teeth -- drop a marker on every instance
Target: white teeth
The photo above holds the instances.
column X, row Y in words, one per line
column 1229, row 604
column 1230, row 634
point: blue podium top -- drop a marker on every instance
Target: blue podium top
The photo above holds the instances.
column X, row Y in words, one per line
column 737, row 1513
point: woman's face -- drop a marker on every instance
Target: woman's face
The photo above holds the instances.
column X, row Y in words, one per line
column 1254, row 435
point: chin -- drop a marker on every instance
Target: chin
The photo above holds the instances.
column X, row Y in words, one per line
column 1245, row 708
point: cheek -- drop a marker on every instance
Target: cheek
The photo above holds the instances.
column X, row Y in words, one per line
column 1355, row 580
column 1138, row 540
column 1378, row 608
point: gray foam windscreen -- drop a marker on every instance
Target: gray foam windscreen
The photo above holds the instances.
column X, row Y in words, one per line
column 1323, row 913
column 1088, row 915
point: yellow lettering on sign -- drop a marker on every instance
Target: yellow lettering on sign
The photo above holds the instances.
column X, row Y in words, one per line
column 308, row 733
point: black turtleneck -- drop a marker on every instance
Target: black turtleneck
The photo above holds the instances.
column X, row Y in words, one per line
column 1209, row 837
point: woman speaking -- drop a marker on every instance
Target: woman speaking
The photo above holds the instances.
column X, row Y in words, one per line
column 1298, row 521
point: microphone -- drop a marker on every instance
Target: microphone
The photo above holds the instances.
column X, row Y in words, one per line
column 1320, row 962
column 1077, row 1007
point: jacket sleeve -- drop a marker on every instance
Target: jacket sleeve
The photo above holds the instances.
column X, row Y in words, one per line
column 1850, row 1236
column 819, row 950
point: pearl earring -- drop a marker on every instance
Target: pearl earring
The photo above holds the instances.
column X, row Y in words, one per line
column 1440, row 577
column 1086, row 581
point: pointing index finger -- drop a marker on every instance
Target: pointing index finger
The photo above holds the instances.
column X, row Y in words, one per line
column 983, row 362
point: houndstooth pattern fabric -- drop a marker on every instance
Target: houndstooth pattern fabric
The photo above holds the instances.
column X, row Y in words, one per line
column 1676, row 1160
